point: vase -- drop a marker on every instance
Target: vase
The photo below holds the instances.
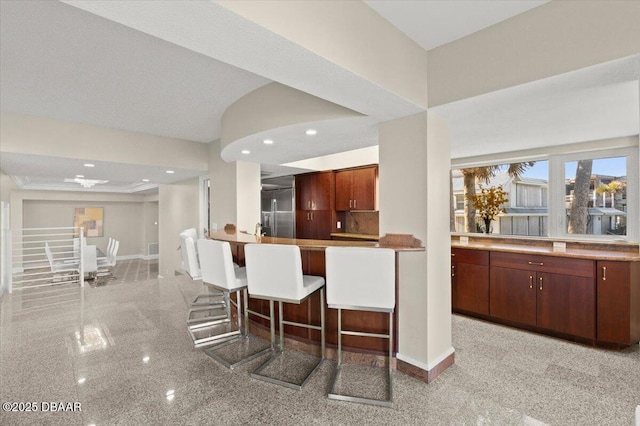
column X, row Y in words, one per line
column 487, row 225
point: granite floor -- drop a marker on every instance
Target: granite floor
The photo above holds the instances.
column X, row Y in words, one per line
column 123, row 352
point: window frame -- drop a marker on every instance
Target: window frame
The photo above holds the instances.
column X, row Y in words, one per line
column 557, row 186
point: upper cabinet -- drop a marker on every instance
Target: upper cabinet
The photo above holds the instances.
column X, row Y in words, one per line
column 313, row 191
column 356, row 189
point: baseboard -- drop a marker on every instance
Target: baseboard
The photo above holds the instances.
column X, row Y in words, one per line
column 137, row 256
column 426, row 372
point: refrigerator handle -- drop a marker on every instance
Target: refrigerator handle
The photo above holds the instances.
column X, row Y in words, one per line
column 275, row 217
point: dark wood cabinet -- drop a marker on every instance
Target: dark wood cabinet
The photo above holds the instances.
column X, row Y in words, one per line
column 313, row 191
column 314, row 225
column 513, row 295
column 356, row 189
column 470, row 281
column 566, row 304
column 618, row 302
column 553, row 293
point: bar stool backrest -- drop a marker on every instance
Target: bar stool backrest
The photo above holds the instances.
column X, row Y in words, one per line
column 189, row 253
column 274, row 271
column 361, row 278
column 216, row 264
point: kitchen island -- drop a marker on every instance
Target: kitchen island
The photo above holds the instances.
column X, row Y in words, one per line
column 313, row 263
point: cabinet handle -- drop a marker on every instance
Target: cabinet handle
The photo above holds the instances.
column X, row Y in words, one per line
column 309, row 203
column 536, row 263
column 311, row 215
column 453, row 255
column 530, row 281
column 540, row 283
column 604, row 273
column 307, row 216
column 453, row 270
column 355, row 204
column 350, row 204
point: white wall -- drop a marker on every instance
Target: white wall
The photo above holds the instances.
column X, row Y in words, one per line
column 150, row 224
column 342, row 160
column 235, row 191
column 6, row 186
column 122, row 221
column 178, row 210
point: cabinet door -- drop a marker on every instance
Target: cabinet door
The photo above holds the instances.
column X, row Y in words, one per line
column 343, row 190
column 322, row 188
column 363, row 190
column 566, row 304
column 512, row 295
column 471, row 287
column 321, row 224
column 304, row 227
column 613, row 304
column 303, row 192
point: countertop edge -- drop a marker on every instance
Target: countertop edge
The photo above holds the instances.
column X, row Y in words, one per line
column 573, row 253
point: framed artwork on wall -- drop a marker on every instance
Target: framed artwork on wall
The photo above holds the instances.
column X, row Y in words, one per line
column 89, row 218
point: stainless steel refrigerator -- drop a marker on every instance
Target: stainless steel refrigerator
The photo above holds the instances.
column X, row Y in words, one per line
column 278, row 211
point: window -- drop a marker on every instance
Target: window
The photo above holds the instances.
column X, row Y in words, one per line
column 596, row 196
column 526, row 188
column 592, row 195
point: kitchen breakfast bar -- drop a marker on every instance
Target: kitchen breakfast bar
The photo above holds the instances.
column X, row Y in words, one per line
column 313, row 263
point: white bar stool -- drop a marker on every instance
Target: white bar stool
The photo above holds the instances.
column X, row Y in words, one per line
column 361, row 279
column 274, row 273
column 219, row 271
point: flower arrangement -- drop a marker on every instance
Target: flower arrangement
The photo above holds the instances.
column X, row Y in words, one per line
column 488, row 204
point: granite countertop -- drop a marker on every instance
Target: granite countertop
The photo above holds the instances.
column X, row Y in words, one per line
column 304, row 244
column 547, row 250
column 366, row 237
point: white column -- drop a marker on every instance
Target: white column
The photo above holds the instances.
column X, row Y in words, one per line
column 414, row 196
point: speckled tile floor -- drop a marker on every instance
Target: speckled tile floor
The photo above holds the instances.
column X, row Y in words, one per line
column 123, row 352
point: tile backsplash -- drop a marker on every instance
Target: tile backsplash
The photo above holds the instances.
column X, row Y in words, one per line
column 362, row 223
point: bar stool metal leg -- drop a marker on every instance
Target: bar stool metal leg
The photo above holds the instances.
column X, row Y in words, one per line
column 371, row 401
column 241, row 332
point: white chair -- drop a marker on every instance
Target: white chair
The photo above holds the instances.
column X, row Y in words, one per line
column 112, row 251
column 59, row 267
column 274, row 273
column 361, row 279
column 219, row 271
column 89, row 261
column 188, row 239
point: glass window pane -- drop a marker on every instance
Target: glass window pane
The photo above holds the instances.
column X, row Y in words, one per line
column 526, row 192
column 596, row 196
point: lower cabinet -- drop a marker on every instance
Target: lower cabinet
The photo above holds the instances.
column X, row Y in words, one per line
column 618, row 289
column 470, row 281
column 314, row 225
column 523, row 290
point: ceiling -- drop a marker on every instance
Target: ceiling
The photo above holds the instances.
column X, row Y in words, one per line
column 434, row 23
column 61, row 62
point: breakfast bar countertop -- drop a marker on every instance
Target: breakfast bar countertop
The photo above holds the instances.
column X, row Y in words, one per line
column 304, row 244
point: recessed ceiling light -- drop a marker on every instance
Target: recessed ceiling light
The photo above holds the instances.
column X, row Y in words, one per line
column 145, row 359
column 245, row 151
column 145, row 180
column 81, row 380
column 170, row 172
column 311, row 132
column 89, row 165
column 79, row 176
column 267, row 142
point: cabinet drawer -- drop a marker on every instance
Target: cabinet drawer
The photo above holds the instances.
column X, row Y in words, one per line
column 534, row 262
column 476, row 257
